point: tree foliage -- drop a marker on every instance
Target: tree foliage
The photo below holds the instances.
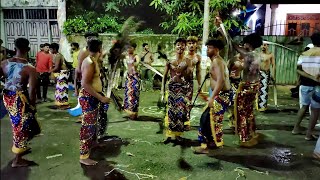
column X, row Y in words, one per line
column 185, row 17
column 102, row 16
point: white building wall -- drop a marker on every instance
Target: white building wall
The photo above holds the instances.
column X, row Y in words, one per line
column 2, row 34
column 283, row 10
column 28, row 3
column 21, row 3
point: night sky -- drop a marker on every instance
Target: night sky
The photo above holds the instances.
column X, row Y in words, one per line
column 146, row 13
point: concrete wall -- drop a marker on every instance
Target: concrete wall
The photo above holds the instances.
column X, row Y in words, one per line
column 2, row 34
column 166, row 42
column 28, row 3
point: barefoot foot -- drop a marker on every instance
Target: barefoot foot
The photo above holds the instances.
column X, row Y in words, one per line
column 20, row 163
column 200, row 150
column 88, row 162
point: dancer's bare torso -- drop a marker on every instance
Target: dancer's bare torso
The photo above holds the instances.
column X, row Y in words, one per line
column 218, row 61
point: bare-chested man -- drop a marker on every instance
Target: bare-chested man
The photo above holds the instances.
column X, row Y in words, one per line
column 193, row 61
column 267, row 60
column 248, row 88
column 177, row 112
column 211, row 126
column 20, row 100
column 82, row 55
column 92, row 101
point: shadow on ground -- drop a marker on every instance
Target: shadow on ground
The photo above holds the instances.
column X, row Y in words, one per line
column 110, row 148
column 276, row 158
column 149, row 118
column 21, row 173
column 281, row 127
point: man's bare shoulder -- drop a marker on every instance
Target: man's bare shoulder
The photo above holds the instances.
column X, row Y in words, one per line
column 83, row 53
column 270, row 54
column 29, row 69
column 87, row 61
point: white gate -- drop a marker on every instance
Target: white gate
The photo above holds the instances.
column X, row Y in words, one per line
column 37, row 25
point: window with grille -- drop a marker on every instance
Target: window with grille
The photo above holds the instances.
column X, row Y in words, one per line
column 13, row 13
column 36, row 14
column 53, row 14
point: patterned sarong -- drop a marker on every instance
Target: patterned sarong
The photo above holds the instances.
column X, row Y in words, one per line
column 189, row 94
column 234, row 86
column 244, row 115
column 61, row 93
column 94, row 121
column 23, row 119
column 132, row 94
column 177, row 112
column 211, row 126
column 262, row 99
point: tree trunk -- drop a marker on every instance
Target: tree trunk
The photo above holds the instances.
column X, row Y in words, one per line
column 64, row 44
column 205, row 37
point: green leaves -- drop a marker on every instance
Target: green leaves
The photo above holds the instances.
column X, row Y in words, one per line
column 81, row 24
column 106, row 19
column 156, row 3
column 112, row 6
column 185, row 17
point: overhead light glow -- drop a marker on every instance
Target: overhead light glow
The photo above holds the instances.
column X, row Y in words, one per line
column 236, row 12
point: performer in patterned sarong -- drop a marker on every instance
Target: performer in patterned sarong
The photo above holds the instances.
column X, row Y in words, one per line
column 248, row 88
column 61, row 93
column 177, row 108
column 267, row 59
column 132, row 85
column 20, row 100
column 211, row 126
column 92, row 101
column 193, row 61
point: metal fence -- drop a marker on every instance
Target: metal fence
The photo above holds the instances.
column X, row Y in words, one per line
column 286, row 60
column 285, row 29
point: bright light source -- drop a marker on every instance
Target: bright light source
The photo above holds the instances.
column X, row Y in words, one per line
column 254, row 17
column 236, row 12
